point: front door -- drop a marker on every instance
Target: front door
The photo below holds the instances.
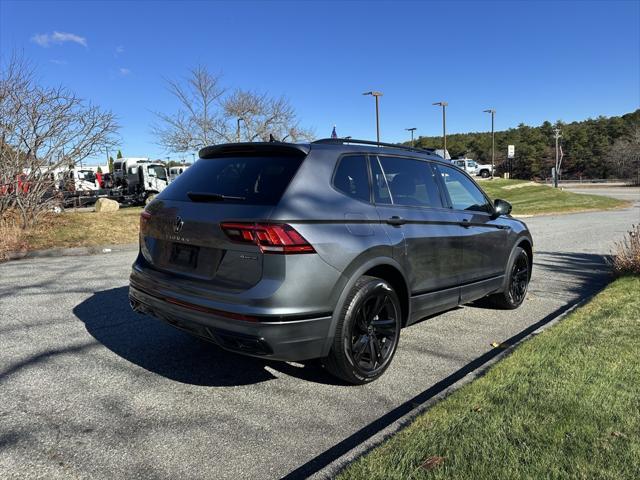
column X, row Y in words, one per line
column 484, row 237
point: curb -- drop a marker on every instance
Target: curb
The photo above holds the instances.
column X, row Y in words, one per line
column 72, row 252
column 330, row 469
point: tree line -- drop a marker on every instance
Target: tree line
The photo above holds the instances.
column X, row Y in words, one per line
column 605, row 147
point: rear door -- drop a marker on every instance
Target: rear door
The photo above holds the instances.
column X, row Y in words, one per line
column 180, row 229
column 424, row 233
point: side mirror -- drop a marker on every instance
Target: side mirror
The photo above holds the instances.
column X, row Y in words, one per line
column 501, row 207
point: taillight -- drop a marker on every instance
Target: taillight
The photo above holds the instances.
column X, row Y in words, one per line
column 144, row 218
column 269, row 237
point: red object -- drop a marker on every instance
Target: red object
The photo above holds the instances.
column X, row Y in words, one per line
column 269, row 237
column 99, row 179
column 23, row 184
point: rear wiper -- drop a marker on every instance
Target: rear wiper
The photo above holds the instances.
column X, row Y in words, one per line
column 211, row 197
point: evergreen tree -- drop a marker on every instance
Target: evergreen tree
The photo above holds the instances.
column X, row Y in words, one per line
column 587, row 147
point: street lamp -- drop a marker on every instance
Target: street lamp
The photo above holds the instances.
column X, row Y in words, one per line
column 556, row 173
column 412, row 129
column 493, row 140
column 238, row 129
column 444, row 126
column 376, row 95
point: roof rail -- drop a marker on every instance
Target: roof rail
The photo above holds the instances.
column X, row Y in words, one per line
column 342, row 141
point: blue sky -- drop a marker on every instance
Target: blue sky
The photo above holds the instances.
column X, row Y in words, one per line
column 531, row 61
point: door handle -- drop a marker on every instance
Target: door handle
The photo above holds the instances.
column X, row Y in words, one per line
column 396, row 221
column 465, row 223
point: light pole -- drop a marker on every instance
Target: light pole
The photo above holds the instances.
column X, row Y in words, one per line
column 376, row 95
column 493, row 140
column 238, row 129
column 556, row 134
column 444, row 126
column 412, row 129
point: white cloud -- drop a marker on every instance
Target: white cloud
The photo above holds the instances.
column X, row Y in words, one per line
column 124, row 71
column 58, row 38
column 58, row 62
column 119, row 49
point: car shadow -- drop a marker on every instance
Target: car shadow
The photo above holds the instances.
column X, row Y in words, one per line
column 576, row 274
column 176, row 355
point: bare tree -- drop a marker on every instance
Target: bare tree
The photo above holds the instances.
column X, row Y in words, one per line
column 209, row 114
column 623, row 157
column 42, row 131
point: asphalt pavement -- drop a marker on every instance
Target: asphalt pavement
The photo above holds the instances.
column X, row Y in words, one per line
column 628, row 193
column 88, row 389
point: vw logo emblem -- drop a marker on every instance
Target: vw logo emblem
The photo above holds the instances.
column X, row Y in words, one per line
column 178, row 225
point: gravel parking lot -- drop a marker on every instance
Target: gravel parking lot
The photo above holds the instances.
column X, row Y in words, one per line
column 88, row 389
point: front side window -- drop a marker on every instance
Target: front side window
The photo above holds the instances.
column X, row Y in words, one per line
column 411, row 182
column 464, row 194
column 352, row 177
column 157, row 171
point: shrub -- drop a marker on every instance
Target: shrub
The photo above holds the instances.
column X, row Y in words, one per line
column 11, row 235
column 626, row 253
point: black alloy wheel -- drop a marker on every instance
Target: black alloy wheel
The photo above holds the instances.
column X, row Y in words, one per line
column 519, row 274
column 519, row 279
column 374, row 333
column 367, row 332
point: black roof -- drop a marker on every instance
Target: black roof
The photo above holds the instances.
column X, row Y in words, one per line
column 304, row 148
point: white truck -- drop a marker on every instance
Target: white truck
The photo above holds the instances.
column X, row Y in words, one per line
column 77, row 179
column 140, row 178
column 467, row 164
column 176, row 171
column 484, row 170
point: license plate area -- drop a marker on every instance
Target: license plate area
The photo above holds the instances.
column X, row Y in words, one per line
column 184, row 256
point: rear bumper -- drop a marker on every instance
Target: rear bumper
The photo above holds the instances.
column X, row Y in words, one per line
column 292, row 339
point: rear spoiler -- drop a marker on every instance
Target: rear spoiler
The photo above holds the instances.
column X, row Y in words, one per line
column 248, row 148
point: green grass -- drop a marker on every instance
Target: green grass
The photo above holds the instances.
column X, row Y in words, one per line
column 533, row 198
column 565, row 404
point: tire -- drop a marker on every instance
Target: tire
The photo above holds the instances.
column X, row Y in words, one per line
column 364, row 344
column 485, row 174
column 517, row 283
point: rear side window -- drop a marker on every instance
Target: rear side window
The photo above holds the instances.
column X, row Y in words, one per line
column 352, row 178
column 256, row 180
column 411, row 182
column 381, row 193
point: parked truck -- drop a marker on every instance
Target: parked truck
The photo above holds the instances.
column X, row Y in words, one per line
column 467, row 164
column 484, row 170
column 139, row 179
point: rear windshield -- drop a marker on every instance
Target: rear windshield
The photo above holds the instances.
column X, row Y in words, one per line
column 258, row 180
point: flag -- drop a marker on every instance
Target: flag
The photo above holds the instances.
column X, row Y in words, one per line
column 333, row 133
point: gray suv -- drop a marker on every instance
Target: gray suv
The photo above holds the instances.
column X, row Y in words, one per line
column 323, row 250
